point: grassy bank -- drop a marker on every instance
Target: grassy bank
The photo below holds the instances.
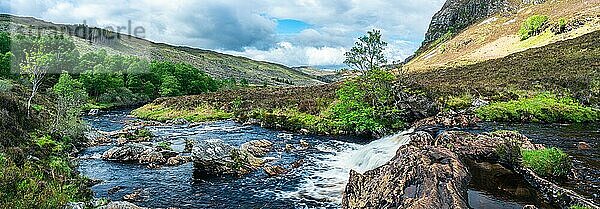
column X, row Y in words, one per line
column 543, row 107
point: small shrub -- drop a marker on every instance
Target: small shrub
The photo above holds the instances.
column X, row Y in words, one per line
column 532, row 26
column 547, row 162
column 5, row 85
column 37, row 107
column 562, row 24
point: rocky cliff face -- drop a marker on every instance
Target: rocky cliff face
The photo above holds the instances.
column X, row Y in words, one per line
column 459, row 14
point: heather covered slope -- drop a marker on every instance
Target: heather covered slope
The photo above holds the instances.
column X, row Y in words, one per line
column 493, row 30
column 216, row 64
column 570, row 68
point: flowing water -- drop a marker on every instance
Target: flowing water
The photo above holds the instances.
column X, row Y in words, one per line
column 318, row 183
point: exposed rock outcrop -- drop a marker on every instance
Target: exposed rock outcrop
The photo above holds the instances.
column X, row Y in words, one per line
column 213, row 158
column 456, row 15
column 430, row 172
column 415, row 178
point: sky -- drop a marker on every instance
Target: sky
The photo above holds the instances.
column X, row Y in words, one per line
column 293, row 32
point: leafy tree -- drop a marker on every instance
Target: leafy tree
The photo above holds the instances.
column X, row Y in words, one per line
column 367, row 103
column 70, row 96
column 35, row 66
column 101, row 80
column 6, row 65
column 5, row 42
column 367, row 53
column 170, row 86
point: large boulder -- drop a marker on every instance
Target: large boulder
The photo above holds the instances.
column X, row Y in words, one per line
column 429, row 177
column 257, row 148
column 134, row 152
column 213, row 158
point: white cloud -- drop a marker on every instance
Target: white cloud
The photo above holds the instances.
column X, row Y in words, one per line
column 292, row 55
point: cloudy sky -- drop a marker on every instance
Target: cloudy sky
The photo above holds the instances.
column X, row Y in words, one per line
column 294, row 32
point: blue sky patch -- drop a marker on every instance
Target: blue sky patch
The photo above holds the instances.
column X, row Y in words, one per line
column 291, row 26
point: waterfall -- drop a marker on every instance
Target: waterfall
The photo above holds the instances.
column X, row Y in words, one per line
column 326, row 176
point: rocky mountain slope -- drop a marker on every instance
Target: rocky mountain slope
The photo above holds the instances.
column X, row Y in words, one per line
column 216, row 64
column 470, row 31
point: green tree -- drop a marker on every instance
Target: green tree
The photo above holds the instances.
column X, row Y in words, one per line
column 367, row 53
column 5, row 42
column 70, row 97
column 35, row 66
column 170, row 86
column 6, row 65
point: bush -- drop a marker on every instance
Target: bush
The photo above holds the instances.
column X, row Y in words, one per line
column 5, row 85
column 541, row 108
column 562, row 24
column 532, row 26
column 547, row 162
column 366, row 104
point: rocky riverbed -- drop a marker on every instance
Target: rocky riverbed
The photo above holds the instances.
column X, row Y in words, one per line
column 233, row 165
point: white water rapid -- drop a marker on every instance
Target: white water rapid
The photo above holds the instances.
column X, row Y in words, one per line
column 326, row 175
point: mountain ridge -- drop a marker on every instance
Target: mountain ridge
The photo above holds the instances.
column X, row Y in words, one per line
column 216, row 64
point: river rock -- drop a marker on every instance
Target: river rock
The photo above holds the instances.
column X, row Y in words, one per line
column 134, row 152
column 151, row 156
column 178, row 160
column 74, row 205
column 274, row 170
column 428, row 172
column 137, row 196
column 96, row 138
column 93, row 112
column 583, row 146
column 289, row 148
column 428, row 177
column 304, row 144
column 447, row 120
column 126, row 153
column 215, row 158
column 258, row 148
column 120, row 205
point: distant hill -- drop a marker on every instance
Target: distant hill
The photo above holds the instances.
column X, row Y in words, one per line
column 216, row 64
column 466, row 32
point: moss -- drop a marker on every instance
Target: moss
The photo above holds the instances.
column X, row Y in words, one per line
column 541, row 108
column 547, row 162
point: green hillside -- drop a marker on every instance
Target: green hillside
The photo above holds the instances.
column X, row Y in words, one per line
column 215, row 64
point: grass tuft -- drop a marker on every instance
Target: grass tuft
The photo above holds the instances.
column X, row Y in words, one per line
column 547, row 162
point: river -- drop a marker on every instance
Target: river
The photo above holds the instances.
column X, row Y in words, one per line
column 318, row 183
